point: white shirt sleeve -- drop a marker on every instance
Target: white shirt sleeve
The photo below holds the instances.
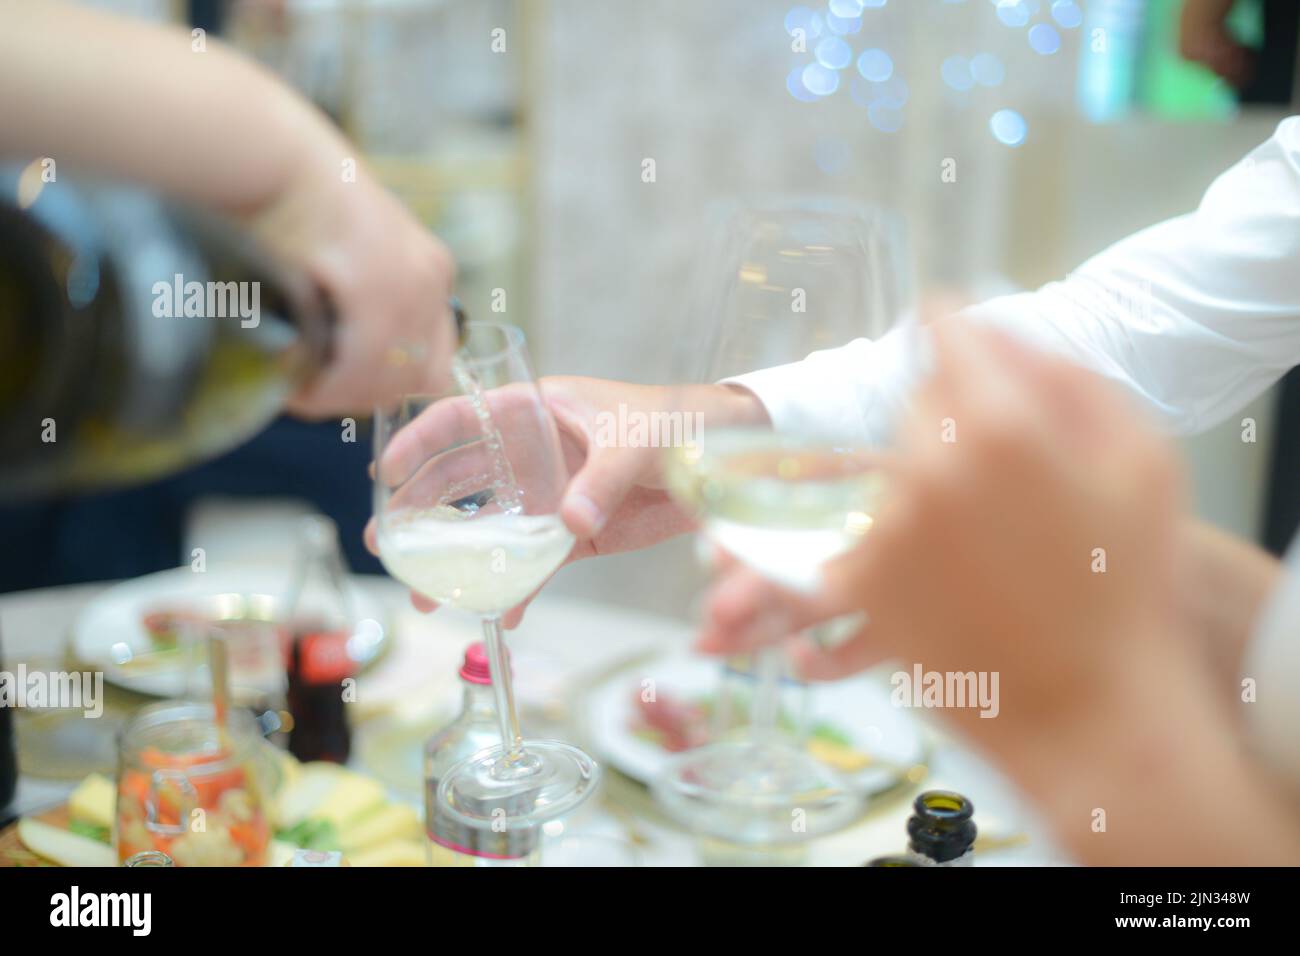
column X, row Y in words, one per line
column 1197, row 315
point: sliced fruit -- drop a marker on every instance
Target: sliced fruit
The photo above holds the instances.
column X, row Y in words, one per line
column 279, row 853
column 63, row 847
column 397, row 853
column 394, row 821
column 350, row 798
column 842, row 758
column 297, row 800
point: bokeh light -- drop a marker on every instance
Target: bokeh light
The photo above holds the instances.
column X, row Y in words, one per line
column 843, row 26
column 845, row 8
column 1067, row 13
column 987, row 70
column 802, row 18
column 884, row 117
column 31, row 183
column 956, row 73
column 794, row 83
column 820, row 80
column 862, row 92
column 1014, row 13
column 1008, row 127
column 893, row 92
column 833, row 53
column 875, row 65
column 1044, row 39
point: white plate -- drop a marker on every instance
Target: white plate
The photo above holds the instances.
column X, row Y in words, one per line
column 858, row 707
column 115, row 618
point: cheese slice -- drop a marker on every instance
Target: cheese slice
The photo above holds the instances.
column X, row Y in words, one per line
column 93, row 801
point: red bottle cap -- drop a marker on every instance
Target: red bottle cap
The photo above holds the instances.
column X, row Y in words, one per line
column 476, row 668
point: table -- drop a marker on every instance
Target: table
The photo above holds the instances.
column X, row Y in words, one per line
column 563, row 645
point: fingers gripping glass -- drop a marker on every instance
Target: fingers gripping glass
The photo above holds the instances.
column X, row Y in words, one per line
column 784, row 279
column 468, row 485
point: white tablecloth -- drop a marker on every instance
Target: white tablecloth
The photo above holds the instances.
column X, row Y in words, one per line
column 563, row 645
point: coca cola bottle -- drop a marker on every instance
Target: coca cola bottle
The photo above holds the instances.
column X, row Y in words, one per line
column 318, row 664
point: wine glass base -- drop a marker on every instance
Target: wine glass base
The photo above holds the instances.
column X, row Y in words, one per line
column 487, row 791
column 748, row 792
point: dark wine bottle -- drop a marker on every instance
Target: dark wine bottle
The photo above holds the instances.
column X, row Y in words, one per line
column 941, row 831
column 8, row 751
column 138, row 336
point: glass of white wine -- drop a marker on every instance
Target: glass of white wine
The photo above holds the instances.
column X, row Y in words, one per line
column 784, row 279
column 468, row 484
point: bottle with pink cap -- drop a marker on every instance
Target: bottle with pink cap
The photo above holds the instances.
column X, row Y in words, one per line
column 475, row 728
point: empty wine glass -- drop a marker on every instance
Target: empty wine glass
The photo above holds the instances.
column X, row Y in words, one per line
column 468, row 483
column 783, row 279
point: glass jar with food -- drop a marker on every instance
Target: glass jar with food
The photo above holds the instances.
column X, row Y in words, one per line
column 191, row 789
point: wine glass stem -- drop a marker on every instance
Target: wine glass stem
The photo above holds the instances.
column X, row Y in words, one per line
column 767, row 698
column 512, row 740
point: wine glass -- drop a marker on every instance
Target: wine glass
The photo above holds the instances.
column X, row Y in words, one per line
column 468, row 483
column 784, row 279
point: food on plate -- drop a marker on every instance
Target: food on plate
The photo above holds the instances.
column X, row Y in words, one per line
column 673, row 724
column 389, row 823
column 318, row 806
column 839, row 755
column 398, row 853
column 352, row 798
column 164, row 625
column 201, row 809
column 676, row 724
column 63, row 846
column 250, row 634
column 92, row 803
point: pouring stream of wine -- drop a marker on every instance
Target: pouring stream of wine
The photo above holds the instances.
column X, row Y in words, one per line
column 505, row 489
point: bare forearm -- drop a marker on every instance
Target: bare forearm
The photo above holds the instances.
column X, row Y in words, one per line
column 135, row 100
column 1223, row 584
column 1162, row 780
column 1176, row 807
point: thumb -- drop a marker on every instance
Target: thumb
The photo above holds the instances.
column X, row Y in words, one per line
column 599, row 487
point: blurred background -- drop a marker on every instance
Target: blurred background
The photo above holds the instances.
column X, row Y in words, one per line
column 520, row 130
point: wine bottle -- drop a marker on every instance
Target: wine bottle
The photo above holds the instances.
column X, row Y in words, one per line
column 8, row 751
column 941, row 831
column 138, row 336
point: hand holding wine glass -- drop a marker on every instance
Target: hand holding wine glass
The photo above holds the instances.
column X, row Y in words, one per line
column 468, row 485
column 784, row 279
column 615, row 498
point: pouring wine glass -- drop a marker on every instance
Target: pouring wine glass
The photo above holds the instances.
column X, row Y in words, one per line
column 468, row 484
